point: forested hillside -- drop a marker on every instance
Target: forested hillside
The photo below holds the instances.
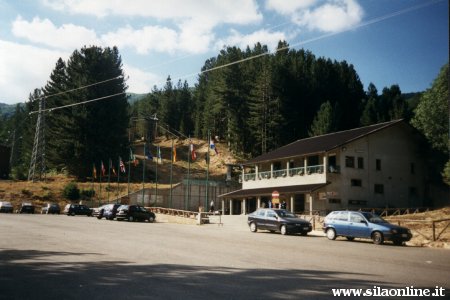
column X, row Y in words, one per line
column 253, row 105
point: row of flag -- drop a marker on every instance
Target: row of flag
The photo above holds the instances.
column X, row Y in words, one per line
column 148, row 155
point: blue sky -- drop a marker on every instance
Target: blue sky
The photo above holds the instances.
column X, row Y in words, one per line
column 402, row 42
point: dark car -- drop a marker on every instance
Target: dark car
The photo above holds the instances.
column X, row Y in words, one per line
column 107, row 211
column 6, row 207
column 134, row 213
column 355, row 224
column 77, row 209
column 280, row 220
column 26, row 208
column 51, row 208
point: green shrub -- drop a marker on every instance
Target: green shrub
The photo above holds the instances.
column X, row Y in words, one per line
column 71, row 191
column 87, row 194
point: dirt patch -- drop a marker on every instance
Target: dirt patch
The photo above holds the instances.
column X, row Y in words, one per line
column 421, row 225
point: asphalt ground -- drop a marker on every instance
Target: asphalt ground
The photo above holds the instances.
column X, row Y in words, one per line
column 61, row 257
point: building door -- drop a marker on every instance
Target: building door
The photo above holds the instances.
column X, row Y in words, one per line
column 299, row 203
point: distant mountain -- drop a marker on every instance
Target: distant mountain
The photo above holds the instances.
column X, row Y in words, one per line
column 132, row 97
column 7, row 109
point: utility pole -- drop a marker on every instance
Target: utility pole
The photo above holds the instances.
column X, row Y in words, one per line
column 37, row 164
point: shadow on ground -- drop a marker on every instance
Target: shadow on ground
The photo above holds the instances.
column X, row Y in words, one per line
column 30, row 274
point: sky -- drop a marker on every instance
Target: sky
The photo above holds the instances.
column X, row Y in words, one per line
column 404, row 42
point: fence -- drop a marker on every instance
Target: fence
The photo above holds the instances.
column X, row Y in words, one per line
column 431, row 223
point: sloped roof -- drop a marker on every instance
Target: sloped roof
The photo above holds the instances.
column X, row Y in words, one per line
column 320, row 144
column 295, row 189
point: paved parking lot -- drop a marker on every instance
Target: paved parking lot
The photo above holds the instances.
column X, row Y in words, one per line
column 60, row 257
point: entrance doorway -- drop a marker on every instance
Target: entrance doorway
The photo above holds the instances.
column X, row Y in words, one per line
column 299, row 203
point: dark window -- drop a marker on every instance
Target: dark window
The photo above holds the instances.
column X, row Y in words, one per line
column 357, row 202
column 313, row 160
column 334, row 201
column 350, row 161
column 412, row 168
column 356, row 182
column 360, row 163
column 378, row 164
column 378, row 189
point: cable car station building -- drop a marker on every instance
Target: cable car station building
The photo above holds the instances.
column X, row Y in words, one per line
column 376, row 166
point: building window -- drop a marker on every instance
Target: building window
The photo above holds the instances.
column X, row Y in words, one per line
column 349, row 161
column 357, row 202
column 360, row 163
column 334, row 201
column 379, row 189
column 412, row 168
column 378, row 164
column 356, row 182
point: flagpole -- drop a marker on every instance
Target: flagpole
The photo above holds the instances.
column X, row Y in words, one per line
column 100, row 179
column 109, row 176
column 171, row 177
column 118, row 178
column 129, row 173
column 207, row 169
column 143, row 177
column 158, row 157
column 189, row 174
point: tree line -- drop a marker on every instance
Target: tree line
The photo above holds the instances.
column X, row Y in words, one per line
column 255, row 106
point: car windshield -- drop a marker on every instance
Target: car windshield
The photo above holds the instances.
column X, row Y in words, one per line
column 285, row 214
column 374, row 218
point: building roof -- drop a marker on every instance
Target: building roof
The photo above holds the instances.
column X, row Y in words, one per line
column 295, row 189
column 320, row 144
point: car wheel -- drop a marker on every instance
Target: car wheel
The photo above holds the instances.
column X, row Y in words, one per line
column 377, row 238
column 151, row 219
column 130, row 219
column 283, row 229
column 253, row 227
column 331, row 234
column 350, row 238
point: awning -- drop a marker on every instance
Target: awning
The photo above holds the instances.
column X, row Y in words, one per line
column 295, row 189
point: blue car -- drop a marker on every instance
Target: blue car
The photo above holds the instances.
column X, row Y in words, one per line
column 355, row 224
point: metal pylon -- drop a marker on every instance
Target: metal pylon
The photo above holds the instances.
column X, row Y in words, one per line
column 37, row 164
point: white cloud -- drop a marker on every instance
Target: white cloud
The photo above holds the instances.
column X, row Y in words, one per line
column 335, row 16
column 287, row 7
column 265, row 37
column 67, row 37
column 139, row 81
column 148, row 38
column 23, row 69
column 245, row 12
column 332, row 16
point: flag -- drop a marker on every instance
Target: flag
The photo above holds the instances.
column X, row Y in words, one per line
column 148, row 154
column 213, row 147
column 174, row 154
column 133, row 158
column 121, row 165
column 111, row 167
column 193, row 154
column 103, row 169
column 159, row 152
column 94, row 172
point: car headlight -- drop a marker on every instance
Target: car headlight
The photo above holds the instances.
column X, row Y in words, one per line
column 409, row 231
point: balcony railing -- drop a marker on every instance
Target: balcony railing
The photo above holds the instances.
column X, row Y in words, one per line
column 309, row 170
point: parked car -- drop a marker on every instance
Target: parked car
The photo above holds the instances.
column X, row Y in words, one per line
column 280, row 220
column 51, row 208
column 26, row 208
column 110, row 211
column 107, row 211
column 134, row 213
column 6, row 207
column 355, row 224
column 77, row 209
